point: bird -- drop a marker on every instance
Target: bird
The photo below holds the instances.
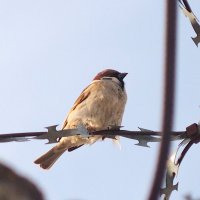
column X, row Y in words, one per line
column 100, row 106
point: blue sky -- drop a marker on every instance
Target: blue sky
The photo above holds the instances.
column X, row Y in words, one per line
column 51, row 50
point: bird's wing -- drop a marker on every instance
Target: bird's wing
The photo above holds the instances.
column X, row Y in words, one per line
column 83, row 96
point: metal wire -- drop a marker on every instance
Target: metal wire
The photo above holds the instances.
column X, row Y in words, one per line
column 168, row 103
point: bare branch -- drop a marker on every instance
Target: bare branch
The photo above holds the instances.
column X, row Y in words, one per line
column 169, row 88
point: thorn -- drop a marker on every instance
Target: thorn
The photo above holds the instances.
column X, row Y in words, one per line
column 143, row 143
column 145, row 130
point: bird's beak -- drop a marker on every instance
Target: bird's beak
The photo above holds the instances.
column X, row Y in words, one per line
column 122, row 75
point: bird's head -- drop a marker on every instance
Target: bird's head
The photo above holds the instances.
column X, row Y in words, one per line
column 109, row 74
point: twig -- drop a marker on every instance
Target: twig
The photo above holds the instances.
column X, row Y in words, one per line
column 168, row 104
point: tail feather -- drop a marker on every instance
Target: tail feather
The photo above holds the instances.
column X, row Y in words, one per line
column 70, row 144
column 74, row 148
column 49, row 158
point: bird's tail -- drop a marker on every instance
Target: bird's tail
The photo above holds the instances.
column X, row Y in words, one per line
column 70, row 144
column 49, row 158
column 65, row 144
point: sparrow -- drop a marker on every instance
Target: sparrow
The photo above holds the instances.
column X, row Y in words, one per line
column 100, row 106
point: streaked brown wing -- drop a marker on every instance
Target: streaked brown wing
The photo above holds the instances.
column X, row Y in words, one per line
column 83, row 96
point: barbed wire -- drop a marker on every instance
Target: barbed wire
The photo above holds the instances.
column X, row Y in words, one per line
column 144, row 136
